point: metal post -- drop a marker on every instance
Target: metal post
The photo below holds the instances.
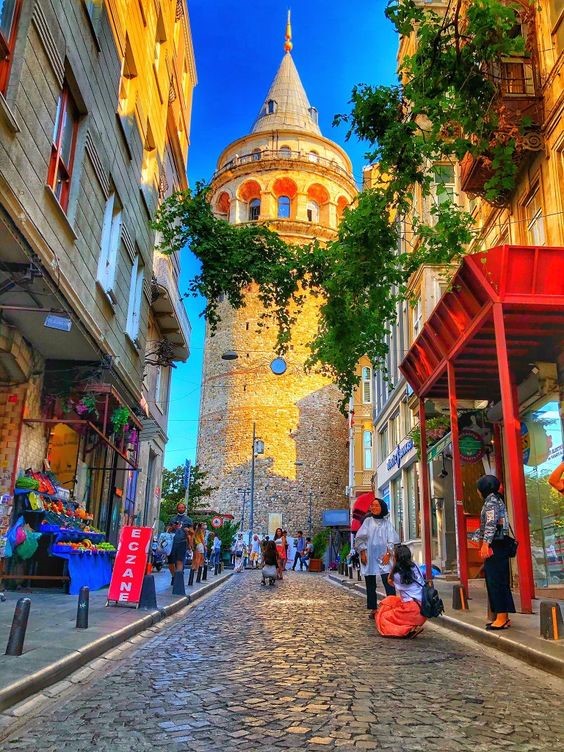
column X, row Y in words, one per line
column 199, row 574
column 252, row 500
column 82, row 608
column 425, row 493
column 187, row 493
column 462, row 545
column 205, row 573
column 18, row 628
column 515, row 476
column 310, row 520
column 191, row 578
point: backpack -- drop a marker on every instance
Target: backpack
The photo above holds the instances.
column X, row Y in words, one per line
column 431, row 603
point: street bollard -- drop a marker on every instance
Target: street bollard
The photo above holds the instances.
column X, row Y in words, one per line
column 178, row 584
column 148, row 598
column 82, row 608
column 199, row 575
column 459, row 598
column 358, row 575
column 19, row 626
column 216, row 569
column 220, row 567
column 191, row 578
column 205, row 573
column 551, row 627
column 350, row 573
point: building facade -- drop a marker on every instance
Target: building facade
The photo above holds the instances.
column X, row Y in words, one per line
column 286, row 174
column 93, row 134
column 503, row 370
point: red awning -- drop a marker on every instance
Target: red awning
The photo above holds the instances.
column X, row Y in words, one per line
column 528, row 281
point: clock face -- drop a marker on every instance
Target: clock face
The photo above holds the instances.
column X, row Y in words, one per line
column 278, row 366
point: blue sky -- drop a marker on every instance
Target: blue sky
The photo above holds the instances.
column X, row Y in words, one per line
column 238, row 47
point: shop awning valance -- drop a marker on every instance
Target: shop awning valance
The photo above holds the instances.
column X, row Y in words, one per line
column 528, row 282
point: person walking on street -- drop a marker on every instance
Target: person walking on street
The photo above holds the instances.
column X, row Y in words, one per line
column 180, row 543
column 375, row 542
column 215, row 550
column 300, row 546
column 238, row 551
column 255, row 551
column 280, row 542
column 198, row 547
column 307, row 554
column 495, row 551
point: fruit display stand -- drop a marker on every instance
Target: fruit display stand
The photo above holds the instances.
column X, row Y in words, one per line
column 70, row 550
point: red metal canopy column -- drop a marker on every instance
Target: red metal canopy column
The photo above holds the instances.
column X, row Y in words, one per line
column 461, row 546
column 425, row 493
column 515, row 475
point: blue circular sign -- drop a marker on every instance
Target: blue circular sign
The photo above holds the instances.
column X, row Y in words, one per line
column 278, row 366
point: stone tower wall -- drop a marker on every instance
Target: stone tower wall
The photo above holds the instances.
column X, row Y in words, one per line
column 296, row 414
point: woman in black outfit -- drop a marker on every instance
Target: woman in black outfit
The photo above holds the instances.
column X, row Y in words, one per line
column 493, row 533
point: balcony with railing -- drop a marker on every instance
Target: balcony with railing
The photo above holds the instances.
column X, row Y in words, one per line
column 168, row 308
column 519, row 105
column 282, row 158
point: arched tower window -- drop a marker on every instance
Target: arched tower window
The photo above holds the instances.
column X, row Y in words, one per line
column 313, row 156
column 314, row 115
column 256, row 154
column 284, row 206
column 285, row 152
column 223, row 205
column 254, row 209
column 271, row 106
column 312, row 211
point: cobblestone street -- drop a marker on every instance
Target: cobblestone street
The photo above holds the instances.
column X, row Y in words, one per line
column 296, row 667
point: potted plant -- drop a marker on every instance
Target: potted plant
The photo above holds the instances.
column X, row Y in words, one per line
column 320, row 542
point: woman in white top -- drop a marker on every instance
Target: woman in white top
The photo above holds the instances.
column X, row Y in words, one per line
column 374, row 542
column 399, row 615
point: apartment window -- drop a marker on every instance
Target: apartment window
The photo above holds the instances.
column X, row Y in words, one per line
column 535, row 219
column 557, row 23
column 443, row 183
column 254, row 209
column 383, row 442
column 9, row 14
column 417, row 317
column 367, row 385
column 128, row 83
column 160, row 39
column 134, row 303
column 149, row 165
column 406, row 422
column 367, row 440
column 284, row 206
column 162, row 381
column 109, row 245
column 394, row 427
column 312, row 212
column 63, row 147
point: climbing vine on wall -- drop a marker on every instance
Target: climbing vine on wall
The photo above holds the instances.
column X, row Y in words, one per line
column 447, row 103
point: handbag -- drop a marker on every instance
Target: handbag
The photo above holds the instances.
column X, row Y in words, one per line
column 511, row 543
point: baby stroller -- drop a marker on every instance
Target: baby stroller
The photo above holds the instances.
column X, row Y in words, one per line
column 269, row 573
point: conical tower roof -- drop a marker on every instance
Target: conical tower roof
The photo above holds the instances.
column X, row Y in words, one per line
column 286, row 104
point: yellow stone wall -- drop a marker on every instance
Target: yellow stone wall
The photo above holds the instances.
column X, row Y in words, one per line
column 296, row 414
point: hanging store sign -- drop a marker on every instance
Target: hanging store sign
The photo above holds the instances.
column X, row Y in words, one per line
column 470, row 445
column 130, row 565
column 394, row 460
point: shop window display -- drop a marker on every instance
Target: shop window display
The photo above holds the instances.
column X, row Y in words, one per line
column 541, row 433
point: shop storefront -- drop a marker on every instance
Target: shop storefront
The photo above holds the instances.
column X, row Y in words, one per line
column 396, row 482
column 498, row 329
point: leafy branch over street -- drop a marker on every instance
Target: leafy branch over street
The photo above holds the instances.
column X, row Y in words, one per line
column 446, row 104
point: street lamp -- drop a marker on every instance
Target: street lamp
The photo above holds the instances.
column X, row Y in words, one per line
column 310, row 508
column 257, row 448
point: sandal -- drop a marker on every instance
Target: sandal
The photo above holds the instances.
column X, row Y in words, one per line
column 493, row 628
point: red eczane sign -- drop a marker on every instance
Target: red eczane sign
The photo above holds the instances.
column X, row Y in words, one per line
column 130, row 564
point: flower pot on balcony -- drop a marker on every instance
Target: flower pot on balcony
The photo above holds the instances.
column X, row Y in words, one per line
column 475, row 171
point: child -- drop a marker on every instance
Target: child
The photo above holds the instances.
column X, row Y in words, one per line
column 399, row 615
column 270, row 563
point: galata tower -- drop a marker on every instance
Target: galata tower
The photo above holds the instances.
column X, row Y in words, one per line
column 286, row 175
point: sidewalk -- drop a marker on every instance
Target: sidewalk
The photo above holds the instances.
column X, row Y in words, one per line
column 522, row 641
column 53, row 646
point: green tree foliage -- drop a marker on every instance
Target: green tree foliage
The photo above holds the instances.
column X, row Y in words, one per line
column 173, row 491
column 447, row 103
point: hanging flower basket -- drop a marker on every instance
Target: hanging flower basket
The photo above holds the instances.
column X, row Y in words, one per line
column 86, row 405
column 119, row 418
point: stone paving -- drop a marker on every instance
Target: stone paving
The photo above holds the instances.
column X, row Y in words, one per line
column 297, row 667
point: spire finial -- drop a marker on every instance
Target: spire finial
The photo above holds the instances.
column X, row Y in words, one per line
column 288, row 43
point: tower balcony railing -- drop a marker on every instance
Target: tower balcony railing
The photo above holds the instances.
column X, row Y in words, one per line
column 283, row 156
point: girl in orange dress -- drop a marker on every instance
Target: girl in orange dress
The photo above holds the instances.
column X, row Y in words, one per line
column 399, row 615
column 280, row 541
